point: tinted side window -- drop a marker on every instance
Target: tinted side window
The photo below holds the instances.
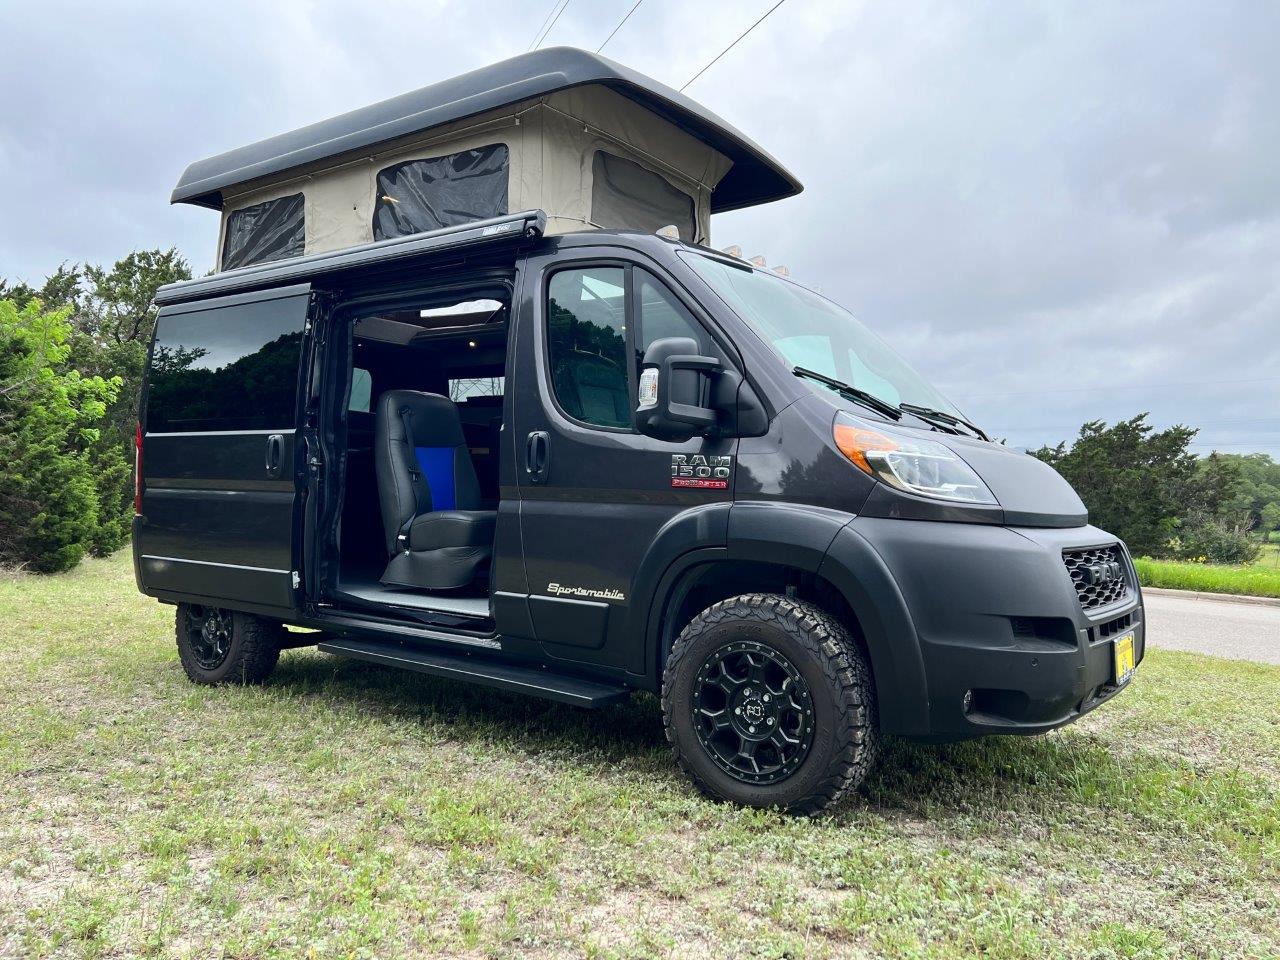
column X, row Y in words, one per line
column 263, row 232
column 235, row 368
column 587, row 345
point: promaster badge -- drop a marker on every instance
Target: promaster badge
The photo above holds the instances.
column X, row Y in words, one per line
column 701, row 473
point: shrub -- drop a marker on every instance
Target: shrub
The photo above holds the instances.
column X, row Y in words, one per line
column 1206, row 539
column 51, row 513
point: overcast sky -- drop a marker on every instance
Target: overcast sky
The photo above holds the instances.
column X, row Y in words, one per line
column 1056, row 211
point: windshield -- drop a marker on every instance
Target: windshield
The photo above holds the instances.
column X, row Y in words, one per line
column 811, row 331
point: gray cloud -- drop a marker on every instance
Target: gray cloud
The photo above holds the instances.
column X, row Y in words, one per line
column 1058, row 212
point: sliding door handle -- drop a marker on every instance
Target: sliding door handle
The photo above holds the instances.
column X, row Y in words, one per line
column 275, row 455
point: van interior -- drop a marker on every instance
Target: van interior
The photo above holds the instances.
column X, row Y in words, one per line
column 418, row 426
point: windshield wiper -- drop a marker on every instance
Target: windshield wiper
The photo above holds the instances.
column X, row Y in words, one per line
column 939, row 416
column 850, row 392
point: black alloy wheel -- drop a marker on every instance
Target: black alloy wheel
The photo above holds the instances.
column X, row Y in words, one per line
column 753, row 712
column 226, row 646
column 768, row 701
column 209, row 630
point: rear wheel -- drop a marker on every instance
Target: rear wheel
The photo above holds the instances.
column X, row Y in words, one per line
column 225, row 646
column 768, row 702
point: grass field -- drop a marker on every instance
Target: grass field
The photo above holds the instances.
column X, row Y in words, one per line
column 345, row 809
column 1258, row 579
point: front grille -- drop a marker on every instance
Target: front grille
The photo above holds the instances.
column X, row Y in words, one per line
column 1099, row 575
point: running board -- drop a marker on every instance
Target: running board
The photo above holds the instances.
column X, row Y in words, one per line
column 489, row 673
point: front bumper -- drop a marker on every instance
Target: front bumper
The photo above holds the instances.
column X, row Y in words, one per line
column 1004, row 644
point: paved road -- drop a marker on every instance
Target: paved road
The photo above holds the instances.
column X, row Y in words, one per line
column 1240, row 631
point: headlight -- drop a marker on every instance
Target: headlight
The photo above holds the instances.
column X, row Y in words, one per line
column 923, row 467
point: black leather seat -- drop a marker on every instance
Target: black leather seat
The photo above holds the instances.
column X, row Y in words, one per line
column 436, row 537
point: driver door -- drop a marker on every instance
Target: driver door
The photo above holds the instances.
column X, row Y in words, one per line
column 593, row 491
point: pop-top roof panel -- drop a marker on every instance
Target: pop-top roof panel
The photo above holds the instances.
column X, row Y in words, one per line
column 755, row 176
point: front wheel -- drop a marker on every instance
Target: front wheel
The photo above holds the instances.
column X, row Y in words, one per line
column 768, row 702
column 225, row 646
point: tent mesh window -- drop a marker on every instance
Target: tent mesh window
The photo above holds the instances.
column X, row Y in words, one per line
column 263, row 232
column 421, row 195
column 626, row 196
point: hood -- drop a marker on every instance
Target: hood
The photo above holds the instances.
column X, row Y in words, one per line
column 1031, row 493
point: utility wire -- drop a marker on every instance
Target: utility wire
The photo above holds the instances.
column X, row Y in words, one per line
column 551, row 25
column 619, row 26
column 538, row 32
column 732, row 45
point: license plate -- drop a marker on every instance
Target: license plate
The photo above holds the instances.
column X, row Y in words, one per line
column 1122, row 657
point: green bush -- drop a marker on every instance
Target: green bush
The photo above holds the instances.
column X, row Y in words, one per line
column 51, row 512
column 1205, row 539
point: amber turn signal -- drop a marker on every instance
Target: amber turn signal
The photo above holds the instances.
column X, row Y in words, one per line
column 855, row 441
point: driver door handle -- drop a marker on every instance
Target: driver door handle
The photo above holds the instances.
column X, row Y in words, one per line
column 537, row 456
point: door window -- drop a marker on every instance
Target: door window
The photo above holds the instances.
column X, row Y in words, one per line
column 588, row 338
column 235, row 368
column 587, row 345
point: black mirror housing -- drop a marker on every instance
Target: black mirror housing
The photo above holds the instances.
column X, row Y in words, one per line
column 672, row 379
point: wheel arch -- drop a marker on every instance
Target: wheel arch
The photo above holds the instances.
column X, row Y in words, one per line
column 812, row 554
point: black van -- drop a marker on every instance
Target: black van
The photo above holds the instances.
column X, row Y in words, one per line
column 580, row 464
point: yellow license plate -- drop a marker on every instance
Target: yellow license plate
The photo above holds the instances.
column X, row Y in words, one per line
column 1122, row 656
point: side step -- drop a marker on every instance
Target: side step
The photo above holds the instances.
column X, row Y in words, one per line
column 489, row 673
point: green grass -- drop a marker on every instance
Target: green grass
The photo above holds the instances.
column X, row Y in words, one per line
column 349, row 810
column 1259, row 579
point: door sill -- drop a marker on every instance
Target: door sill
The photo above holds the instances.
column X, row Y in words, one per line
column 478, row 634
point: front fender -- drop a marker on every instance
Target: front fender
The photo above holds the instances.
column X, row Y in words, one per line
column 853, row 567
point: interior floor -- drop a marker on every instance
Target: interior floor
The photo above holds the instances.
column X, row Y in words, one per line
column 366, row 587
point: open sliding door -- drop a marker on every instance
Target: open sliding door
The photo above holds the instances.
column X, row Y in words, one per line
column 221, row 452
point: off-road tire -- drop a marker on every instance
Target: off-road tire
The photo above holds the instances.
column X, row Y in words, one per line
column 846, row 740
column 251, row 655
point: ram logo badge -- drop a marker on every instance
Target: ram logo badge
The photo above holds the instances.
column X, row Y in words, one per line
column 701, row 473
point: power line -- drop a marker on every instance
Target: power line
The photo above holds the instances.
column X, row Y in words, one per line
column 619, row 26
column 732, row 45
column 538, row 32
column 545, row 33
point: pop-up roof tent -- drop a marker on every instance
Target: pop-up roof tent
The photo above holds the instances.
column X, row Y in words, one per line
column 587, row 140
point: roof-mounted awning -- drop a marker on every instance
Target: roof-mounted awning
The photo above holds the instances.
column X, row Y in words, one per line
column 755, row 177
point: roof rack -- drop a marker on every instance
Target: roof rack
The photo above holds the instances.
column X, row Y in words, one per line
column 527, row 225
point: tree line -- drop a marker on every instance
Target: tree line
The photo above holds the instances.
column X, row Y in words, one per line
column 1148, row 488
column 71, row 359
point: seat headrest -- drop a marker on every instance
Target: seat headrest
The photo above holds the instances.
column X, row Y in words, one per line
column 433, row 419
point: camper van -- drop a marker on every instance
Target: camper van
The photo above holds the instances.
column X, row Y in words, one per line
column 472, row 393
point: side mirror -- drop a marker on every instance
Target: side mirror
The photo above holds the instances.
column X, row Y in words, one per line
column 672, row 375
